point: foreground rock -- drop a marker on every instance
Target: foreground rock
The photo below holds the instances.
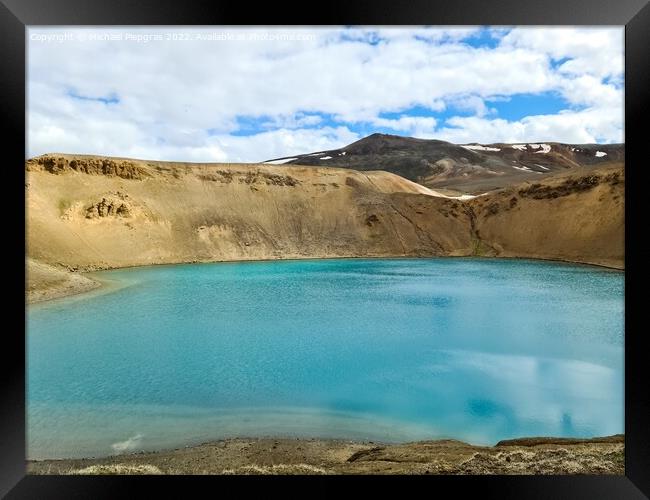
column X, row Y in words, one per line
column 314, row 456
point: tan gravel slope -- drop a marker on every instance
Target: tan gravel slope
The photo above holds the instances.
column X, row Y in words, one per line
column 91, row 212
column 576, row 216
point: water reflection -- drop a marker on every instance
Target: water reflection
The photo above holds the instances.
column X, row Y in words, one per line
column 383, row 350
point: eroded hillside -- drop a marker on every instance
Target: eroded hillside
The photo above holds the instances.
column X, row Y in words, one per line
column 86, row 213
column 98, row 213
column 576, row 216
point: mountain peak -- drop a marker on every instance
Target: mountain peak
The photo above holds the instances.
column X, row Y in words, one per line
column 382, row 143
column 469, row 167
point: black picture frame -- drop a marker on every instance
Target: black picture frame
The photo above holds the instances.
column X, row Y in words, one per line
column 16, row 15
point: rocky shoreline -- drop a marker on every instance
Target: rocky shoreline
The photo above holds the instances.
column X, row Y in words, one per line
column 282, row 456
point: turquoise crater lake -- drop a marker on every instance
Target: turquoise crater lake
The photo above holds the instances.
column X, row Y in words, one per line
column 387, row 350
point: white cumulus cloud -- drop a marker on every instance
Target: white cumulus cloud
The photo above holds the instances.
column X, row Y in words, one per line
column 255, row 93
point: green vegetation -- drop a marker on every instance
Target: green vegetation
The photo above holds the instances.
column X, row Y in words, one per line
column 480, row 249
column 64, row 204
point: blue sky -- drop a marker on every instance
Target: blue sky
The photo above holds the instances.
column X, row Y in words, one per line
column 512, row 108
column 217, row 94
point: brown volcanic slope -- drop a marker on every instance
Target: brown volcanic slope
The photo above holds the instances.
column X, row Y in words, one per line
column 577, row 216
column 470, row 168
column 91, row 212
column 87, row 213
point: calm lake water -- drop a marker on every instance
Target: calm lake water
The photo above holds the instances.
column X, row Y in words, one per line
column 388, row 350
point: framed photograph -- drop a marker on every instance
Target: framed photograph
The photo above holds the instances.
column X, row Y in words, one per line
column 387, row 240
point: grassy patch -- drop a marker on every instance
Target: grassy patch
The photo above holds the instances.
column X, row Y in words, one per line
column 480, row 249
column 64, row 204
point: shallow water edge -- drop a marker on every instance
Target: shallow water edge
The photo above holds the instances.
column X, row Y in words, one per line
column 104, row 286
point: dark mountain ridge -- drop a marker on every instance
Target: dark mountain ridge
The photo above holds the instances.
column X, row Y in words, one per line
column 464, row 167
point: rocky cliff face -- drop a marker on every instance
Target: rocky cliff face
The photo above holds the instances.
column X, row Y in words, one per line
column 91, row 213
column 116, row 207
column 56, row 164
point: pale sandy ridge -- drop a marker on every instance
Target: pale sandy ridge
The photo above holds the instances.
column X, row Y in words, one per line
column 46, row 282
